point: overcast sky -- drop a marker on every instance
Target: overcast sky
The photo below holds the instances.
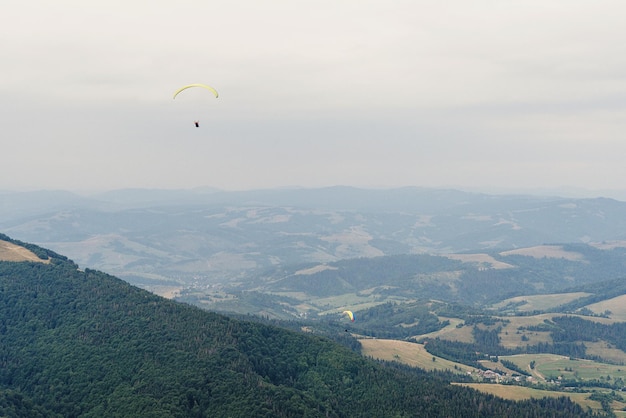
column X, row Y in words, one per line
column 476, row 94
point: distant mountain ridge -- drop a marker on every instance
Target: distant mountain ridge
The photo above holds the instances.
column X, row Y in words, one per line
column 184, row 237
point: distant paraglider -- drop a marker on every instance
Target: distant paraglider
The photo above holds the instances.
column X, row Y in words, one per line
column 204, row 86
column 350, row 315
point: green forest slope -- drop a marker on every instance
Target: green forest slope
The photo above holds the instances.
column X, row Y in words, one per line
column 86, row 344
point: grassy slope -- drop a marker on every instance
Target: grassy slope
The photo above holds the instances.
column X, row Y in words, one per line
column 412, row 354
column 616, row 306
column 13, row 252
column 553, row 365
column 539, row 302
column 517, row 393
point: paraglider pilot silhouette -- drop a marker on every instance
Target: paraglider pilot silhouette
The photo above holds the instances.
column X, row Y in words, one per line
column 204, row 86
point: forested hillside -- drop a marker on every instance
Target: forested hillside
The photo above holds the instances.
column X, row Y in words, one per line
column 86, row 344
column 476, row 280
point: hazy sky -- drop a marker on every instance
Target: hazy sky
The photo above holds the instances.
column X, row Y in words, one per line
column 475, row 94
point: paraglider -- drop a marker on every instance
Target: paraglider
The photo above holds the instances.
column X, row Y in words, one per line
column 204, row 86
column 350, row 315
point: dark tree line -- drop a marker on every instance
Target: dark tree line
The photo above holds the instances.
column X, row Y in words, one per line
column 573, row 328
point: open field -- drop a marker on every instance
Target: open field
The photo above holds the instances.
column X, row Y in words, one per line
column 512, row 332
column 538, row 302
column 169, row 292
column 450, row 331
column 510, row 335
column 553, row 366
column 482, row 259
column 513, row 329
column 316, row 269
column 547, row 251
column 609, row 245
column 616, row 306
column 606, row 351
column 518, row 393
column 412, row 354
column 12, row 252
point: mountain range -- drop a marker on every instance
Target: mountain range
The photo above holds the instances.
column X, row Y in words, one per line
column 183, row 238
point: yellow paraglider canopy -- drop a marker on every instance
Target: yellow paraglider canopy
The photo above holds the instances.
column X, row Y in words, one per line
column 350, row 315
column 211, row 89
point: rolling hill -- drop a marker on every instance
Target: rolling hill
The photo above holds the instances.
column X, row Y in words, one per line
column 180, row 239
column 506, row 280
